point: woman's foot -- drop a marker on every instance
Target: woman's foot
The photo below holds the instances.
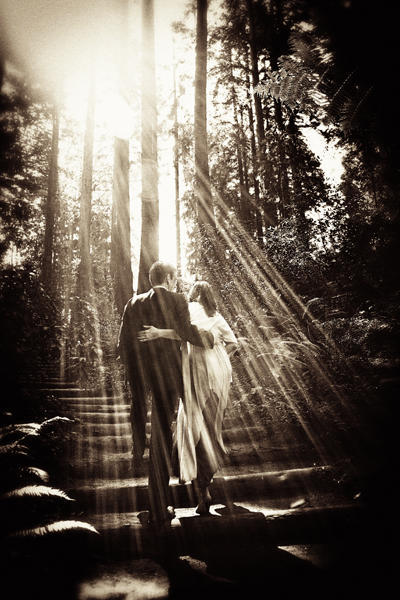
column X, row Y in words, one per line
column 203, row 507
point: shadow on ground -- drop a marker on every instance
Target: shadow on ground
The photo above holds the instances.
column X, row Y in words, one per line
column 224, row 555
column 253, row 568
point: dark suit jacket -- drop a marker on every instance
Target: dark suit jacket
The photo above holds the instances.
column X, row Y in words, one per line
column 157, row 362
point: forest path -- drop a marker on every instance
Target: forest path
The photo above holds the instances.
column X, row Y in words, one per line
column 274, row 502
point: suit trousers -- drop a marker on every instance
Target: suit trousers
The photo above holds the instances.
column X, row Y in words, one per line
column 164, row 406
column 138, row 419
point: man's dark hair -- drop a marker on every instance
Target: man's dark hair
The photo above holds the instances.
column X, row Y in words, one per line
column 159, row 271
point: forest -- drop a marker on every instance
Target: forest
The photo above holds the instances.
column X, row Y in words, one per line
column 303, row 264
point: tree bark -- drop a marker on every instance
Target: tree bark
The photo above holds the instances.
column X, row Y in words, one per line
column 66, row 317
column 121, row 265
column 283, row 178
column 244, row 211
column 205, row 210
column 176, row 174
column 51, row 202
column 269, row 208
column 85, row 283
column 121, row 230
column 255, row 77
column 149, row 250
column 257, row 209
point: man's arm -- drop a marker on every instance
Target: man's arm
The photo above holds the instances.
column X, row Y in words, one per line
column 149, row 332
column 125, row 334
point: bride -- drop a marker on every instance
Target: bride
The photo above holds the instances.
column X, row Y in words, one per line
column 207, row 376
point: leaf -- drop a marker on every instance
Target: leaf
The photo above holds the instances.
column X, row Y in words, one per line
column 36, row 473
column 36, row 491
column 12, row 456
column 58, row 527
column 15, row 476
column 54, row 423
column 13, row 433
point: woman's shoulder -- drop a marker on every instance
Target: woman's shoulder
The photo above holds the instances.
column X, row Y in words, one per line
column 199, row 317
column 195, row 308
column 219, row 317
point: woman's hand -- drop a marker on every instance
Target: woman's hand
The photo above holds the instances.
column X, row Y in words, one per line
column 149, row 333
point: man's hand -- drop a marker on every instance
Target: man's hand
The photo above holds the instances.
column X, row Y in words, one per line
column 148, row 333
column 218, row 338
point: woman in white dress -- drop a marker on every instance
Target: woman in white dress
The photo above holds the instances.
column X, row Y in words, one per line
column 207, row 376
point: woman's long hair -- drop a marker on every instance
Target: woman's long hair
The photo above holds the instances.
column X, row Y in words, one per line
column 202, row 292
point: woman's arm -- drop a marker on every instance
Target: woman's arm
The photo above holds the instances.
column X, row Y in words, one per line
column 153, row 333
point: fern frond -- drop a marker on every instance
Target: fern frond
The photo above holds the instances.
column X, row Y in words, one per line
column 13, row 456
column 58, row 527
column 17, row 475
column 54, row 424
column 36, row 474
column 12, row 449
column 36, row 491
column 14, row 433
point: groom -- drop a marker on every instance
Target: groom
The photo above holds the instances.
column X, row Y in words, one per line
column 156, row 366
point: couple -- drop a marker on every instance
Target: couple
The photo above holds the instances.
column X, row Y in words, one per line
column 152, row 345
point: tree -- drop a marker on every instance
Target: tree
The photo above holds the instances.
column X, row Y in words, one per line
column 121, row 266
column 202, row 177
column 149, row 247
column 51, row 204
column 176, row 176
column 85, row 279
column 270, row 208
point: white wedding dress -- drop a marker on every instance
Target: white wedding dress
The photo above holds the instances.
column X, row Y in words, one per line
column 205, row 372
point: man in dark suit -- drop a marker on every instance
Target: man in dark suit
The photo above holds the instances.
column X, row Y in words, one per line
column 156, row 366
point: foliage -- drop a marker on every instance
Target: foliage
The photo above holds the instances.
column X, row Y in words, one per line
column 294, row 84
column 319, row 365
column 30, row 330
column 38, row 535
column 25, row 139
column 32, row 501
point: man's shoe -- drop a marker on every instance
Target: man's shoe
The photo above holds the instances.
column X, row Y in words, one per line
column 159, row 524
column 138, row 468
column 166, row 519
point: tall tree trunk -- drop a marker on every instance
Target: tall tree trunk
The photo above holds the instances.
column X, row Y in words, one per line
column 85, row 268
column 294, row 160
column 269, row 209
column 243, row 192
column 245, row 159
column 81, row 324
column 283, row 178
column 121, row 265
column 121, row 230
column 255, row 77
column 255, row 160
column 68, row 286
column 51, row 203
column 176, row 173
column 205, row 209
column 149, row 249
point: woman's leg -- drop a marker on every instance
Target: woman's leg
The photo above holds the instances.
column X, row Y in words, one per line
column 209, row 455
